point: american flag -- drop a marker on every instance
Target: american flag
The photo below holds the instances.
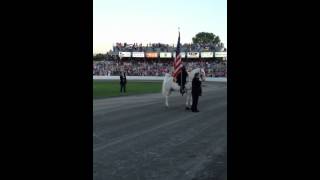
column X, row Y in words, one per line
column 177, row 61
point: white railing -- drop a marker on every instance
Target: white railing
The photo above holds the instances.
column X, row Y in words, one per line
column 153, row 78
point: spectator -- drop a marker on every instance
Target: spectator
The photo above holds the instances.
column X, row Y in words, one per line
column 123, row 82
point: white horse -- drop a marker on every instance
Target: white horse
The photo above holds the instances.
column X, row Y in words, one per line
column 169, row 85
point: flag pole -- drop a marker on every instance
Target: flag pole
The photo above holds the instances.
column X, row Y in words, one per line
column 176, row 51
column 181, row 63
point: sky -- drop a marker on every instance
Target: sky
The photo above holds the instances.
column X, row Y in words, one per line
column 155, row 21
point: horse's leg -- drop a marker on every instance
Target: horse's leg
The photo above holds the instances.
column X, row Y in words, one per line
column 167, row 96
column 190, row 99
column 187, row 101
column 167, row 104
column 188, row 85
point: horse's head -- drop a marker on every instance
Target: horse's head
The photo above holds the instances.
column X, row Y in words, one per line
column 202, row 75
column 201, row 72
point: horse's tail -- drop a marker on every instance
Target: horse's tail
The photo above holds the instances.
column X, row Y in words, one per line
column 166, row 77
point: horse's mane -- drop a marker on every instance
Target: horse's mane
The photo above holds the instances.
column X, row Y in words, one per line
column 193, row 72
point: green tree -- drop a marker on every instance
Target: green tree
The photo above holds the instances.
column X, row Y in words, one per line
column 205, row 37
column 99, row 57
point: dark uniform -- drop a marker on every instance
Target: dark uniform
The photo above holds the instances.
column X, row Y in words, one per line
column 182, row 81
column 196, row 92
column 123, row 82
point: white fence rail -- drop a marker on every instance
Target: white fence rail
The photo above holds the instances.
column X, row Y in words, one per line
column 153, row 78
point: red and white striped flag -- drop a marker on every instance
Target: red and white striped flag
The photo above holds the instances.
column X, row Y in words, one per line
column 177, row 61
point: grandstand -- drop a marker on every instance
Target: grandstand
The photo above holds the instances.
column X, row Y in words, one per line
column 156, row 59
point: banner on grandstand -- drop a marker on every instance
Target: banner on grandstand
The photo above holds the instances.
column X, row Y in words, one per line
column 193, row 54
column 182, row 54
column 125, row 54
column 207, row 54
column 138, row 54
column 165, row 55
column 151, row 55
column 220, row 54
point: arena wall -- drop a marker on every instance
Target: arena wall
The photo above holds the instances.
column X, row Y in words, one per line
column 153, row 78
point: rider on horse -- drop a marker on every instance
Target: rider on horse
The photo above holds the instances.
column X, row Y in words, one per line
column 182, row 80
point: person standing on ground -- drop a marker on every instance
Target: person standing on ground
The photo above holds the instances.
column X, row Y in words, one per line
column 196, row 92
column 123, row 82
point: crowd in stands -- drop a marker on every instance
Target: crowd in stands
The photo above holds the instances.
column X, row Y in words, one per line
column 219, row 47
column 110, row 65
column 147, row 68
